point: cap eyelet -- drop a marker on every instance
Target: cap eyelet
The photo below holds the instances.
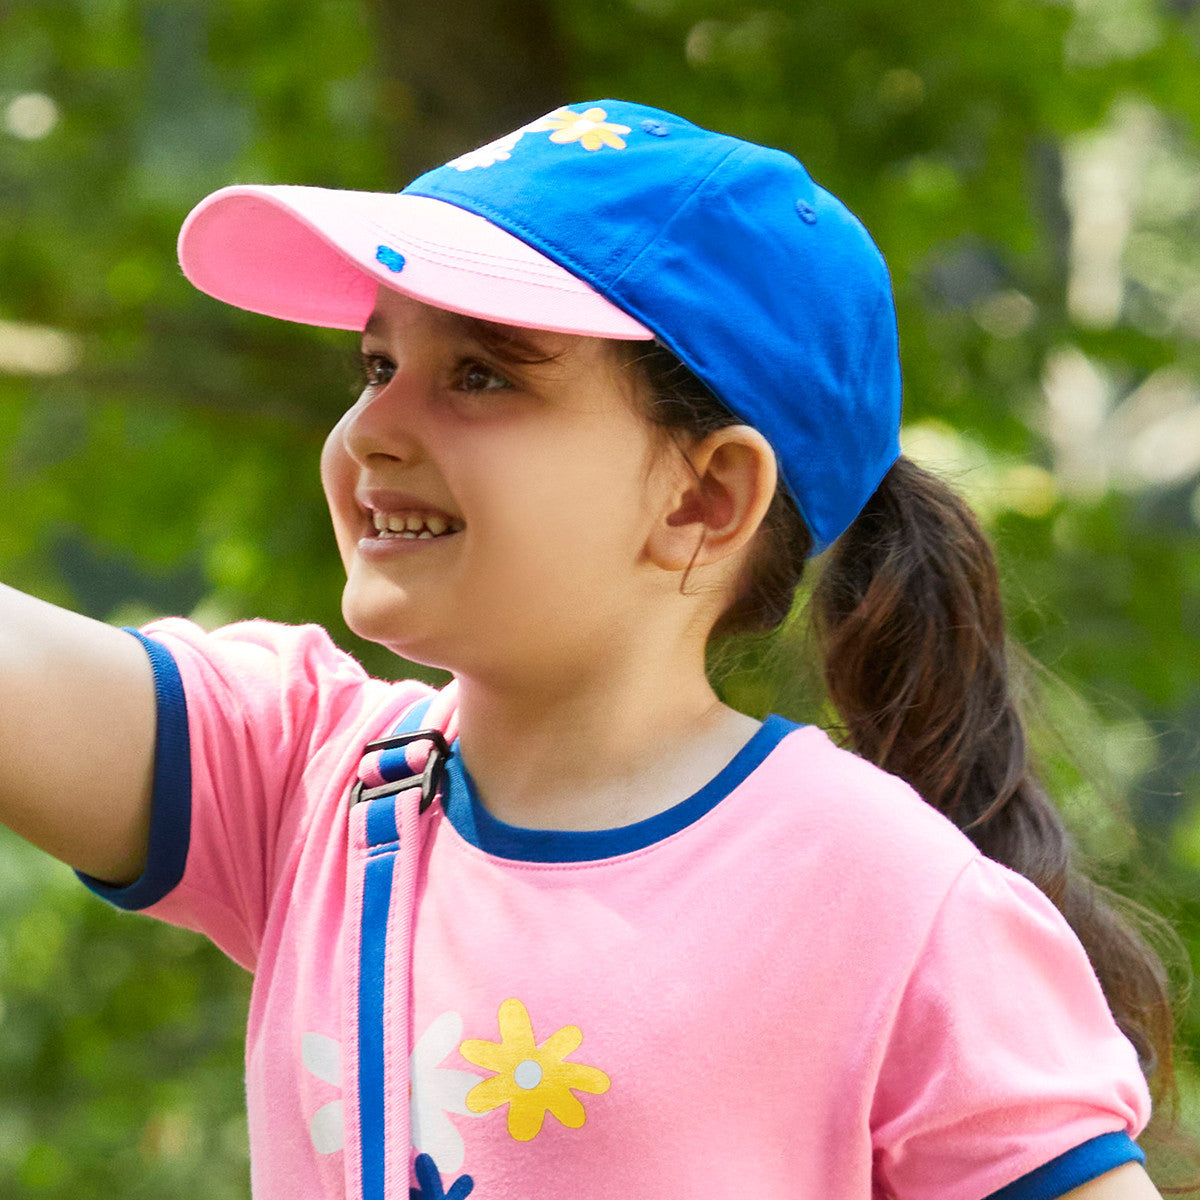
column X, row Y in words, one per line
column 392, row 259
column 655, row 128
column 808, row 214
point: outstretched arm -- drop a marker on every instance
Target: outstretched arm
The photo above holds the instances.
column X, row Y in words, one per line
column 1129, row 1182
column 77, row 721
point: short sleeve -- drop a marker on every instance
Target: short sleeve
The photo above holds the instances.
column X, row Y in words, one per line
column 257, row 724
column 1003, row 1058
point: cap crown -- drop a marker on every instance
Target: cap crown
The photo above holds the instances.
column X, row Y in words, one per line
column 762, row 282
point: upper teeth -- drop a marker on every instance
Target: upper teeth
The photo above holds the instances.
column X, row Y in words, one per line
column 415, row 524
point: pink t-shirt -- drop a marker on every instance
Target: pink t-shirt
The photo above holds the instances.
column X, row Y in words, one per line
column 801, row 983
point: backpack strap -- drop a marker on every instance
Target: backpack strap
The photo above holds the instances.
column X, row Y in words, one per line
column 398, row 779
column 394, row 771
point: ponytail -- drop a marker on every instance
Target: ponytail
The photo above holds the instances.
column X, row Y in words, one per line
column 908, row 617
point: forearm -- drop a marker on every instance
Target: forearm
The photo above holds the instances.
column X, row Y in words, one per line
column 76, row 736
column 1129, row 1182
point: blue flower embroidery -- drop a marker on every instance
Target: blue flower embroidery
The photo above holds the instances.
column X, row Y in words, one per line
column 431, row 1183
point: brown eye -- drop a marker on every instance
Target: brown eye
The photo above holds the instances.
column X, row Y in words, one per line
column 479, row 377
column 376, row 371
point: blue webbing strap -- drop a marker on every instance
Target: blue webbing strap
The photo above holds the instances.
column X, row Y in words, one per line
column 383, row 841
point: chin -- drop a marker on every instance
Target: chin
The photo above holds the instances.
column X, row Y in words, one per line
column 374, row 613
column 385, row 624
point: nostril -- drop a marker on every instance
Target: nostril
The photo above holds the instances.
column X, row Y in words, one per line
column 371, row 436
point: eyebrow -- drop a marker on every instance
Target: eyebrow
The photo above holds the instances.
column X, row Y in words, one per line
column 508, row 342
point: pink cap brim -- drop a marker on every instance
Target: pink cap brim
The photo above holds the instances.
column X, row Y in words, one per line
column 313, row 255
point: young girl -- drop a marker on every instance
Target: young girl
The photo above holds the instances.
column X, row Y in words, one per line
column 575, row 927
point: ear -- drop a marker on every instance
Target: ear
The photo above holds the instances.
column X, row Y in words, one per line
column 718, row 503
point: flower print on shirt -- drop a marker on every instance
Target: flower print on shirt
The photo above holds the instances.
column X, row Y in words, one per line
column 591, row 129
column 438, row 1091
column 322, row 1057
column 429, row 1183
column 531, row 1079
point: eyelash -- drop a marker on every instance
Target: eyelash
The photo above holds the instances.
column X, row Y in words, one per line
column 367, row 367
column 372, row 366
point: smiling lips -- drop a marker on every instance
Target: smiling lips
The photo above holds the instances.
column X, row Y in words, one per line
column 414, row 525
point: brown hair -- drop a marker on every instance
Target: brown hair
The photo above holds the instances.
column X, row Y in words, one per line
column 909, row 623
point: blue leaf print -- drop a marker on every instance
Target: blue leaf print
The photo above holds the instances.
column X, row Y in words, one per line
column 431, row 1183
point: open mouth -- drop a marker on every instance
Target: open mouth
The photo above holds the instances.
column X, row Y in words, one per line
column 414, row 525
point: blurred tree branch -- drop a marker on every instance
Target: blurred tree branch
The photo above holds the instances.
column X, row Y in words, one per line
column 458, row 73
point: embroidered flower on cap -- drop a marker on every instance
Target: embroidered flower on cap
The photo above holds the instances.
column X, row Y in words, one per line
column 591, row 129
column 486, row 156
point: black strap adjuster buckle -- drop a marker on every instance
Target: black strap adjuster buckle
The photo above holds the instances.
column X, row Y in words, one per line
column 428, row 781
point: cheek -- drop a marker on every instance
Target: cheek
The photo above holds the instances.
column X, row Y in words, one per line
column 577, row 511
column 338, row 478
column 335, row 463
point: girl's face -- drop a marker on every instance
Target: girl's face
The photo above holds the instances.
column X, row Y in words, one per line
column 492, row 492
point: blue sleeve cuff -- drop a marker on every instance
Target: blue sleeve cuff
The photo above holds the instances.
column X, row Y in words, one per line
column 171, row 810
column 1073, row 1169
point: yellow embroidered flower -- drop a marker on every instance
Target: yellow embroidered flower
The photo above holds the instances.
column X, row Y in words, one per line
column 531, row 1079
column 589, row 129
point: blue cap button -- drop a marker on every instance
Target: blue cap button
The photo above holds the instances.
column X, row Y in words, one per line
column 392, row 259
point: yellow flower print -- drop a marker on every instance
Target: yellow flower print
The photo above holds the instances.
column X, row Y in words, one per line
column 590, row 129
column 531, row 1079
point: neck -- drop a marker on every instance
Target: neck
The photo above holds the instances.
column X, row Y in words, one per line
column 598, row 751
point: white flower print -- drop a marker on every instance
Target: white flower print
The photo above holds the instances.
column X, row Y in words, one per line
column 487, row 156
column 438, row 1091
column 322, row 1056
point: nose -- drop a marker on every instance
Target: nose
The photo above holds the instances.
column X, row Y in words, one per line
column 379, row 427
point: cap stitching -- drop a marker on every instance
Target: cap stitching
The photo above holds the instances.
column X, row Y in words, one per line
column 507, row 222
column 550, row 283
column 739, row 150
column 448, row 254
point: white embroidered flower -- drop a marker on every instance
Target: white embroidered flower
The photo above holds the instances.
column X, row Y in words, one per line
column 322, row 1056
column 438, row 1091
column 489, row 155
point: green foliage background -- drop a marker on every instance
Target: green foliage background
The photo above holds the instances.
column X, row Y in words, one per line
column 1031, row 170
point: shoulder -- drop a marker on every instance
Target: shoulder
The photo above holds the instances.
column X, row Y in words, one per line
column 836, row 795
column 274, row 676
column 838, row 827
column 256, row 641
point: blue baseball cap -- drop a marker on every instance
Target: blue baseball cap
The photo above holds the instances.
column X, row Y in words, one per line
column 612, row 219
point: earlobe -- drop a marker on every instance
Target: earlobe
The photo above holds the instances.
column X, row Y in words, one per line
column 719, row 502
